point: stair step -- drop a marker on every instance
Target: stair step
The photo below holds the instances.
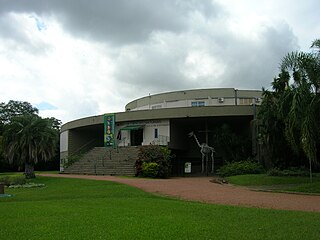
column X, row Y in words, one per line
column 104, row 161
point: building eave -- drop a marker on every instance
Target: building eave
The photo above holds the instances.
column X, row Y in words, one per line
column 166, row 113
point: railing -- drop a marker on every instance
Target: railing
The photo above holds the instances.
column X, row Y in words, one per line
column 122, row 142
column 85, row 147
column 76, row 155
column 162, row 140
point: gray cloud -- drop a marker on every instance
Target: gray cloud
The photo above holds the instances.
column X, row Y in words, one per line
column 117, row 22
column 143, row 47
column 254, row 64
column 19, row 38
column 160, row 64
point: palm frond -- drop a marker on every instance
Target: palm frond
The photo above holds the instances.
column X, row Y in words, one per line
column 316, row 44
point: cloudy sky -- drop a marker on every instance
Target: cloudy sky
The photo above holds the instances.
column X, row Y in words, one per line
column 77, row 58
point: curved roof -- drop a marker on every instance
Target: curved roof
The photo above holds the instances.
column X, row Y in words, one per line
column 195, row 94
column 165, row 113
column 230, row 109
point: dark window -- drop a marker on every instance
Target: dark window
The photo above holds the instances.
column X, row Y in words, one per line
column 198, row 104
column 156, row 133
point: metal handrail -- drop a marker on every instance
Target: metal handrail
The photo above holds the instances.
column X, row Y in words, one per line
column 84, row 147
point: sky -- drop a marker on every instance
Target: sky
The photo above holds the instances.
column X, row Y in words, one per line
column 78, row 58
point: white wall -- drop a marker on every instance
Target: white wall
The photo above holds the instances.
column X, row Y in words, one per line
column 163, row 127
column 125, row 139
column 64, row 136
column 188, row 103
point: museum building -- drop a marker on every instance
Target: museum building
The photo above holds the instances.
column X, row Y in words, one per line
column 162, row 119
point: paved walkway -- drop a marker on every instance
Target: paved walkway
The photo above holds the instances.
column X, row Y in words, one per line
column 201, row 189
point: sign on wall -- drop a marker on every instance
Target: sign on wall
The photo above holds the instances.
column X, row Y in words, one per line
column 109, row 130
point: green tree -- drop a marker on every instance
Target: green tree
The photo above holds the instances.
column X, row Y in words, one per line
column 271, row 132
column 302, row 123
column 12, row 109
column 231, row 147
column 28, row 139
column 293, row 107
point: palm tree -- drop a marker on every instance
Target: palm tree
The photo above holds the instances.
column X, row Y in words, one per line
column 301, row 119
column 28, row 139
column 271, row 122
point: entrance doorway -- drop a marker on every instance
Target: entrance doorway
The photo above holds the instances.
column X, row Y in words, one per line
column 136, row 137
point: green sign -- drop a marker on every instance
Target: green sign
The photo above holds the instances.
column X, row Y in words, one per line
column 109, row 130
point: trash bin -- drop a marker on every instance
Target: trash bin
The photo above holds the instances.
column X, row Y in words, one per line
column 187, row 167
column 1, row 188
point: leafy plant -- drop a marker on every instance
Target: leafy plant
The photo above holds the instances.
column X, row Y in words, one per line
column 150, row 169
column 295, row 172
column 231, row 147
column 154, row 154
column 28, row 139
column 240, row 168
column 293, row 113
column 13, row 180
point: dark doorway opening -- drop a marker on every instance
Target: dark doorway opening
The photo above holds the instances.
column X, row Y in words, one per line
column 206, row 129
column 136, row 137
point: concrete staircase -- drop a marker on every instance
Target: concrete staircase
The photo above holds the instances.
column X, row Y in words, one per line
column 106, row 161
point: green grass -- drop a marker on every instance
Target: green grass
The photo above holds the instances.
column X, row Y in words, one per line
column 293, row 184
column 11, row 174
column 88, row 209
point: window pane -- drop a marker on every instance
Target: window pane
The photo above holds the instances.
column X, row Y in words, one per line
column 156, row 133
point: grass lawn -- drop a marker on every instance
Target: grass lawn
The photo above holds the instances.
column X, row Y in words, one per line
column 89, row 209
column 294, row 184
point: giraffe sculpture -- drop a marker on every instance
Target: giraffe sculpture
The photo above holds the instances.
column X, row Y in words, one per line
column 205, row 150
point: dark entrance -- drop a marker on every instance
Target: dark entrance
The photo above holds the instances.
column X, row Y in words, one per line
column 186, row 149
column 136, row 137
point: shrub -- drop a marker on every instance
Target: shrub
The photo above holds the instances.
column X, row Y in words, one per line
column 154, row 154
column 240, row 168
column 150, row 169
column 293, row 171
column 5, row 180
column 18, row 180
column 13, row 180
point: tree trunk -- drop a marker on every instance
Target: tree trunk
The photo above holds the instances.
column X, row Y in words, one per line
column 310, row 170
column 29, row 171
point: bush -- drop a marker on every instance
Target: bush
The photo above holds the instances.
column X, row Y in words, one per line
column 240, row 168
column 13, row 180
column 293, row 171
column 154, row 154
column 150, row 169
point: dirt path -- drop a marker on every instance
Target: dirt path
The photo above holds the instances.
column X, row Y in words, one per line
column 201, row 189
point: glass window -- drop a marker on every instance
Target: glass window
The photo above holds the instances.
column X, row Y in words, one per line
column 198, row 104
column 156, row 107
column 156, row 133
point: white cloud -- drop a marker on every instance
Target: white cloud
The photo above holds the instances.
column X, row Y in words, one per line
column 71, row 74
column 87, row 59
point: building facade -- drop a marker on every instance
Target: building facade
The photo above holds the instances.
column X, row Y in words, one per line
column 166, row 119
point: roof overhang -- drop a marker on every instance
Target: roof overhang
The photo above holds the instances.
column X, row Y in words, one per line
column 133, row 127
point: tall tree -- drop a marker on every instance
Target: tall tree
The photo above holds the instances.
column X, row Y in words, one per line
column 295, row 102
column 272, row 125
column 302, row 125
column 28, row 139
column 12, row 109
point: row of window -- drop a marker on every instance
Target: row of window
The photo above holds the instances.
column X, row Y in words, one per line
column 242, row 101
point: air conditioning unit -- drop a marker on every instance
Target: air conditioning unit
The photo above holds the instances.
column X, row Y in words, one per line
column 221, row 100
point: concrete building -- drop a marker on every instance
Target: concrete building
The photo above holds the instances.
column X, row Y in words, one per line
column 166, row 119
